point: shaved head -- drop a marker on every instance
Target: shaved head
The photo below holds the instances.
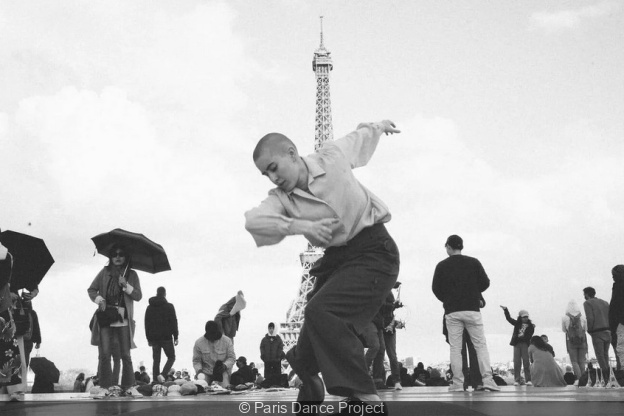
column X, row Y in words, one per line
column 274, row 142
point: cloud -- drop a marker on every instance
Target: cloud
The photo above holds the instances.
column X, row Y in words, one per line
column 569, row 19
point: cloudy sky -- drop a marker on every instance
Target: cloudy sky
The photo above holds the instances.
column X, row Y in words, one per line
column 142, row 115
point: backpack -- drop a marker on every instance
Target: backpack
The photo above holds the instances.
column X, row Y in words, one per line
column 575, row 331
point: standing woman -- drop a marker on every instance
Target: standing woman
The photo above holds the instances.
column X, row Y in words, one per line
column 115, row 287
column 520, row 340
column 10, row 360
column 575, row 327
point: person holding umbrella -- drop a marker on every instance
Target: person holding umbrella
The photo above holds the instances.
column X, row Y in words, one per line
column 10, row 360
column 115, row 287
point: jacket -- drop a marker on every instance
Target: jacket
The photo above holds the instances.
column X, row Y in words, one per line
column 271, row 348
column 206, row 353
column 616, row 306
column 597, row 314
column 98, row 288
column 161, row 322
column 458, row 282
column 516, row 337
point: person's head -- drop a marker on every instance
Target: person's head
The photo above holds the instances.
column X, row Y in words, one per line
column 573, row 308
column 523, row 315
column 161, row 292
column 241, row 362
column 618, row 273
column 454, row 245
column 81, row 376
column 252, row 364
column 271, row 328
column 142, row 368
column 544, row 338
column 589, row 292
column 178, row 374
column 420, row 366
column 118, row 256
column 568, row 368
column 212, row 331
column 277, row 158
column 539, row 343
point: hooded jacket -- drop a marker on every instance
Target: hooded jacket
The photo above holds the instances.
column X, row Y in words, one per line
column 271, row 348
column 616, row 306
column 161, row 322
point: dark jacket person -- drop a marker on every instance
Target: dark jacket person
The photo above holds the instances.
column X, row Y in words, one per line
column 161, row 330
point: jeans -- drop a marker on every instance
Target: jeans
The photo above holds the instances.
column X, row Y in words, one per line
column 601, row 341
column 169, row 349
column 470, row 363
column 620, row 343
column 379, row 371
column 521, row 360
column 577, row 355
column 473, row 323
column 108, row 336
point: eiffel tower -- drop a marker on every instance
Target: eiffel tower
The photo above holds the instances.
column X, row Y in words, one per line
column 323, row 131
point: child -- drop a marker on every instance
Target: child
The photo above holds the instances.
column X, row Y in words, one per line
column 523, row 331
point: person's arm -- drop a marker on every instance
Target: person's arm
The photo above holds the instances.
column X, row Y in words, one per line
column 437, row 285
column 230, row 358
column 174, row 319
column 132, row 286
column 262, row 349
column 589, row 313
column 94, row 292
column 508, row 316
column 359, row 145
column 564, row 323
column 197, row 358
column 531, row 349
column 484, row 280
column 268, row 224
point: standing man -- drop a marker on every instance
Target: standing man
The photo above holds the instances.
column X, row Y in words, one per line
column 597, row 314
column 161, row 330
column 319, row 197
column 458, row 282
column 272, row 353
column 389, row 339
column 616, row 312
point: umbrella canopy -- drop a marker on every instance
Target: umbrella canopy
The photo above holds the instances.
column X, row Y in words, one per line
column 45, row 369
column 31, row 259
column 145, row 254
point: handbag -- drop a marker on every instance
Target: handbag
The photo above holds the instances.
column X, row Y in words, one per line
column 107, row 316
column 23, row 322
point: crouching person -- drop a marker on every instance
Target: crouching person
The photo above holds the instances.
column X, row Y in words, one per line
column 213, row 356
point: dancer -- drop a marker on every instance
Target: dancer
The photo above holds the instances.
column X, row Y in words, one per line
column 458, row 282
column 318, row 196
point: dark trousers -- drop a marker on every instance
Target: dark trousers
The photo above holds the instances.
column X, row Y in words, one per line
column 370, row 339
column 157, row 347
column 470, row 364
column 379, row 371
column 601, row 341
column 352, row 283
column 272, row 368
column 390, row 342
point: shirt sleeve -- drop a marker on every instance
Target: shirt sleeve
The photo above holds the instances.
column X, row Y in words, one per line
column 358, row 146
column 268, row 223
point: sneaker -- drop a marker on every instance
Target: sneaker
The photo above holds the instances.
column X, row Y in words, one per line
column 489, row 385
column 528, row 383
column 456, row 388
column 398, row 386
column 160, row 379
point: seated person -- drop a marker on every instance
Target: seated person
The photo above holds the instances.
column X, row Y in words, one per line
column 213, row 356
column 244, row 374
column 436, row 379
column 545, row 372
column 420, row 375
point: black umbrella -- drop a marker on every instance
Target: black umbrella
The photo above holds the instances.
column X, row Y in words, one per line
column 145, row 254
column 31, row 259
column 44, row 368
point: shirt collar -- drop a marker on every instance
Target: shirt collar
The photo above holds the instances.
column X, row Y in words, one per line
column 314, row 171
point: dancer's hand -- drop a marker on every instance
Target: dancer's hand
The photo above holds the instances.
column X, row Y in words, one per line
column 389, row 127
column 320, row 230
column 503, row 307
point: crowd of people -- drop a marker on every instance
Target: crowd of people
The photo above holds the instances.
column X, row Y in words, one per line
column 351, row 307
